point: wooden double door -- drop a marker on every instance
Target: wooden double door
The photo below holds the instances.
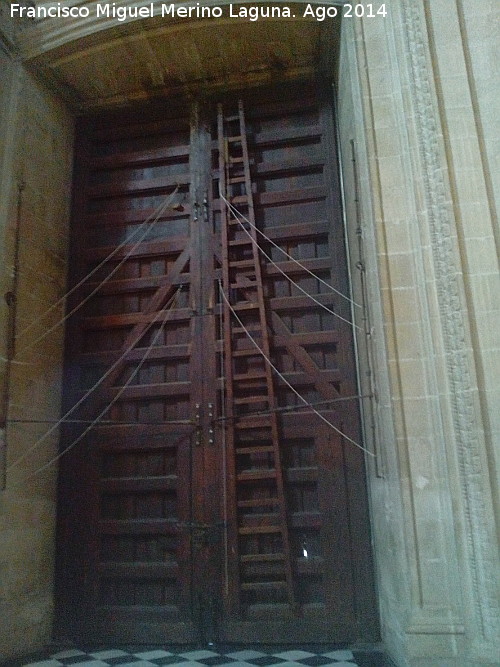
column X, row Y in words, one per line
column 208, row 502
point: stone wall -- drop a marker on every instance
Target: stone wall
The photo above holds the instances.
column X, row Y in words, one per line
column 416, row 98
column 35, row 178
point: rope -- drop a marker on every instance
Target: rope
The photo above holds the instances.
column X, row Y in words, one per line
column 89, row 391
column 115, row 398
column 310, row 296
column 109, row 422
column 294, row 408
column 13, row 361
column 296, row 261
column 155, row 216
column 282, row 377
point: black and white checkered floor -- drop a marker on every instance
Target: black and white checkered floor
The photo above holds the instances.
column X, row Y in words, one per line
column 232, row 657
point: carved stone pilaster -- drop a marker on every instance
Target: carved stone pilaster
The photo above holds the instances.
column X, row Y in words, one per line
column 480, row 550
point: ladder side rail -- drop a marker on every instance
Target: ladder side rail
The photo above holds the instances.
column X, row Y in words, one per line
column 232, row 587
column 268, row 371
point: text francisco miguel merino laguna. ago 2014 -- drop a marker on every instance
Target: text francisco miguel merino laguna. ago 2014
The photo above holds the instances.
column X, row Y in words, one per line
column 110, row 10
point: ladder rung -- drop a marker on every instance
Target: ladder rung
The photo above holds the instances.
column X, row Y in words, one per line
column 249, row 352
column 236, row 179
column 260, row 502
column 257, row 386
column 244, row 286
column 250, row 327
column 230, row 119
column 236, row 137
column 261, row 558
column 235, row 221
column 257, row 449
column 240, row 242
column 241, row 263
column 251, row 399
column 247, row 271
column 252, row 421
column 255, row 475
column 263, row 585
column 248, row 305
column 235, row 160
column 240, row 377
column 260, row 530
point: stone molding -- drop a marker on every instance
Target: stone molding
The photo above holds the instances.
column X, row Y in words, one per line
column 480, row 548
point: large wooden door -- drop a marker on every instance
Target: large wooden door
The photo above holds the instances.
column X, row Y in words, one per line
column 208, row 502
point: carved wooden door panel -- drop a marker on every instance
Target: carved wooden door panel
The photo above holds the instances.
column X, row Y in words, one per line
column 296, row 510
column 208, row 503
column 125, row 510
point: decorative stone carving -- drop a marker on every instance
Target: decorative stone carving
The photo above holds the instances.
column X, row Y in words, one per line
column 440, row 219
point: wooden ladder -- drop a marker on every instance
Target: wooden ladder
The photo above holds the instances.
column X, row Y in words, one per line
column 257, row 516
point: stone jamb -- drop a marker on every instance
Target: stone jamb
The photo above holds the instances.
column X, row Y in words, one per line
column 440, row 220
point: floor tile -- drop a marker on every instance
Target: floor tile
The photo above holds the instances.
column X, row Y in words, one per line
column 339, row 655
column 217, row 660
column 120, row 655
column 317, row 649
column 316, row 661
column 266, row 660
column 294, row 655
column 292, row 663
column 246, row 654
